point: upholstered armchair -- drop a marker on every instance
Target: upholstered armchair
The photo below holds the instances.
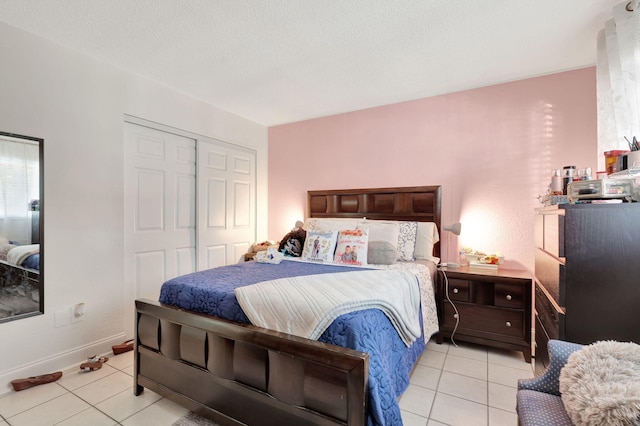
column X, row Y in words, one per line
column 538, row 399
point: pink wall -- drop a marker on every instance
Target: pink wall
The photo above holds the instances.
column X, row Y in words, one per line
column 492, row 149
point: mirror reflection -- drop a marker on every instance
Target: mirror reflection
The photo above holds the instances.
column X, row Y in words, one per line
column 21, row 278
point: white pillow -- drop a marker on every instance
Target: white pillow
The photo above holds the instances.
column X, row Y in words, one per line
column 330, row 224
column 381, row 230
column 319, row 246
column 351, row 248
column 426, row 237
column 407, row 240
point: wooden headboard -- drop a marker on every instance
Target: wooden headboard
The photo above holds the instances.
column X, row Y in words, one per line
column 419, row 203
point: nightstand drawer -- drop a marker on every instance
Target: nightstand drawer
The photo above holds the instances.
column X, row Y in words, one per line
column 458, row 290
column 508, row 296
column 486, row 320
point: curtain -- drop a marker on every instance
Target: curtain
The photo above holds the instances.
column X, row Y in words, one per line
column 19, row 186
column 618, row 79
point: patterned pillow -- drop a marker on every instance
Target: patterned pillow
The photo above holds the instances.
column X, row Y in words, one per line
column 407, row 240
column 319, row 246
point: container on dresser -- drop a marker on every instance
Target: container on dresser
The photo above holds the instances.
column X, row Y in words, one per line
column 587, row 272
column 493, row 307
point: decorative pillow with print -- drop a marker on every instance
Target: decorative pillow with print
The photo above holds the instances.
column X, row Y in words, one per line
column 320, row 246
column 351, row 248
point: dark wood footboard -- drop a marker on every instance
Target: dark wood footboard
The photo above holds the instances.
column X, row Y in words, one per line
column 242, row 374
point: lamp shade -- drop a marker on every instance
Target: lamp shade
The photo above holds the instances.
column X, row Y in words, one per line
column 456, row 228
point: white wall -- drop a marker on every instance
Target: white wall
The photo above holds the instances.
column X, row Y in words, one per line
column 77, row 106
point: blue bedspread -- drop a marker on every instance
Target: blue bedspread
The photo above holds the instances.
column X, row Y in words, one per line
column 32, row 262
column 390, row 361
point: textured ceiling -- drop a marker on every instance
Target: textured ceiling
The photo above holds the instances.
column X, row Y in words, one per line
column 280, row 61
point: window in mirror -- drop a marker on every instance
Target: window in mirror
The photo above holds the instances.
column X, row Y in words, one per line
column 21, row 230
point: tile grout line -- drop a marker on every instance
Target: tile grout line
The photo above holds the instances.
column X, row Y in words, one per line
column 67, row 390
column 90, row 405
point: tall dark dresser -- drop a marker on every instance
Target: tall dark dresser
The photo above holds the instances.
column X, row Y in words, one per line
column 587, row 273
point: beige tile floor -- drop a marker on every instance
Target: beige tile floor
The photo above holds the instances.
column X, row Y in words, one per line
column 463, row 385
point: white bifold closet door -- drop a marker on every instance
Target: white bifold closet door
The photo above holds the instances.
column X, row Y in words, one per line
column 226, row 203
column 189, row 205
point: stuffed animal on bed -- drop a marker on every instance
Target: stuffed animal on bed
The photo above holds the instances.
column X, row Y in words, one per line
column 292, row 243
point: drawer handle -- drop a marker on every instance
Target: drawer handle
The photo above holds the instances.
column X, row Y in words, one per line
column 455, row 290
column 508, row 324
column 508, row 297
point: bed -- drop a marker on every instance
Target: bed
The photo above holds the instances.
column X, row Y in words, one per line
column 19, row 278
column 220, row 367
column 22, row 256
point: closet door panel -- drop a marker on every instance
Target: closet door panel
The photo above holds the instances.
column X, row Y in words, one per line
column 226, row 203
column 216, row 204
column 242, row 207
column 216, row 256
column 159, row 210
column 150, row 269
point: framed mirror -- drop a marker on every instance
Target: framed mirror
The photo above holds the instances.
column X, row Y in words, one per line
column 21, row 226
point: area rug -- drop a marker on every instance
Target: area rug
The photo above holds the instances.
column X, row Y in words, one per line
column 192, row 419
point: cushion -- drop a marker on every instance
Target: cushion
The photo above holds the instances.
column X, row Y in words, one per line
column 540, row 409
column 351, row 248
column 319, row 246
column 381, row 253
column 292, row 243
column 407, row 240
column 427, row 236
column 600, row 384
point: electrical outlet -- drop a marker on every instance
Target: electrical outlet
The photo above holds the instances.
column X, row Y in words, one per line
column 77, row 312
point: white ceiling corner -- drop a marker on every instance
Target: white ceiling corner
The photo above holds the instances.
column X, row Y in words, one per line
column 281, row 61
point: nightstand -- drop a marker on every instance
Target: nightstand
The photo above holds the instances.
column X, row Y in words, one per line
column 484, row 306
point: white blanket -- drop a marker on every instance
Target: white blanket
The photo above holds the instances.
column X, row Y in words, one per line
column 305, row 306
column 18, row 254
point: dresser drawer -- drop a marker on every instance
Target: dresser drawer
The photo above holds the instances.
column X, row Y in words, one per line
column 485, row 321
column 458, row 290
column 542, row 351
column 548, row 315
column 508, row 296
column 550, row 271
column 553, row 234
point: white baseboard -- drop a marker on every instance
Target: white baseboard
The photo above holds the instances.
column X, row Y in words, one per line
column 63, row 361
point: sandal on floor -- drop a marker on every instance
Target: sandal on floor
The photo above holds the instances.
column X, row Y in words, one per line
column 21, row 384
column 94, row 363
column 122, row 347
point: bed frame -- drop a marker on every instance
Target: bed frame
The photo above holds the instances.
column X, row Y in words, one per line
column 19, row 304
column 240, row 374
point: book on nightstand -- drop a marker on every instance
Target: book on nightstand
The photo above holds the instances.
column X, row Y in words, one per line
column 489, row 266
